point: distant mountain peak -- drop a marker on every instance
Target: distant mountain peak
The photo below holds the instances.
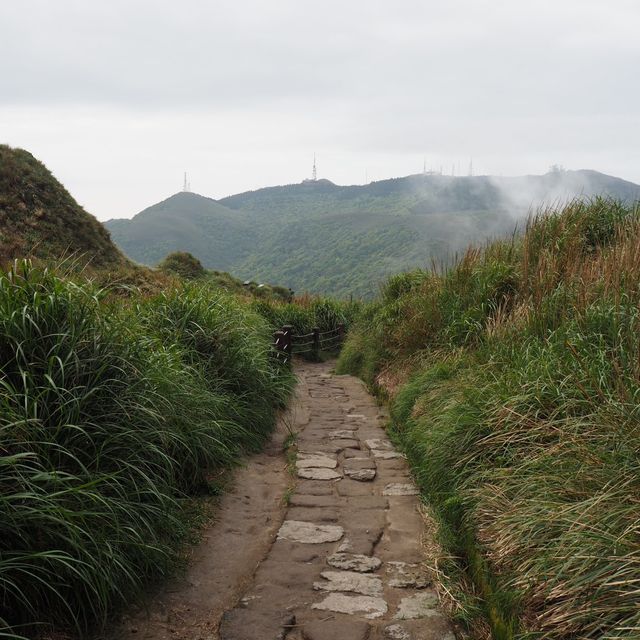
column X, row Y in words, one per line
column 187, row 195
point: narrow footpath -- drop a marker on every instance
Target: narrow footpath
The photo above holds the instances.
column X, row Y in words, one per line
column 347, row 560
column 335, row 553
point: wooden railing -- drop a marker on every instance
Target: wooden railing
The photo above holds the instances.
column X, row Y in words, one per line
column 287, row 343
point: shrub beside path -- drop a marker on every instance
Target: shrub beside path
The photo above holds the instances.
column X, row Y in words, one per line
column 347, row 562
column 343, row 559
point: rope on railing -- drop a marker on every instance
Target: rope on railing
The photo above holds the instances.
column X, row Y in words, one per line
column 306, row 335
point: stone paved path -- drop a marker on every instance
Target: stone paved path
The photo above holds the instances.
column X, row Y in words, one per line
column 346, row 563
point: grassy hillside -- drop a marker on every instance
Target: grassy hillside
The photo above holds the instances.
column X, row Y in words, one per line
column 114, row 416
column 39, row 218
column 343, row 240
column 513, row 381
column 217, row 236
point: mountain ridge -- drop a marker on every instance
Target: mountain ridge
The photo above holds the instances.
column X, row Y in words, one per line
column 344, row 239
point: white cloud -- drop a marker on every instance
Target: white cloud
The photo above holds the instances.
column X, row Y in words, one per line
column 119, row 97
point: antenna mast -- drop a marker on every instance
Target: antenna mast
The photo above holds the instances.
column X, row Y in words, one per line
column 314, row 172
column 186, row 187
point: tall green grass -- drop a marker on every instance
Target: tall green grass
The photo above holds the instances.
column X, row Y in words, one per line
column 109, row 420
column 518, row 410
column 231, row 347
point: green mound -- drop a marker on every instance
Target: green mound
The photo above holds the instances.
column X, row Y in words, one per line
column 39, row 219
column 182, row 264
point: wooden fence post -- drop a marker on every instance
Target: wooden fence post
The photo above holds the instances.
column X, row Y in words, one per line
column 341, row 332
column 316, row 343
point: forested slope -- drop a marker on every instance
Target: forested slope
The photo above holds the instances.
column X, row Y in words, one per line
column 342, row 240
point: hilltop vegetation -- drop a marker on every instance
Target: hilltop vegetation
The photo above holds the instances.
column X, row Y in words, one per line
column 513, row 379
column 38, row 217
column 342, row 240
column 184, row 265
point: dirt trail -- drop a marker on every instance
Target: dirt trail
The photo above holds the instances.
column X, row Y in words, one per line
column 342, row 561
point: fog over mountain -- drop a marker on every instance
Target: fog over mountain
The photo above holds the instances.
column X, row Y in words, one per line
column 326, row 238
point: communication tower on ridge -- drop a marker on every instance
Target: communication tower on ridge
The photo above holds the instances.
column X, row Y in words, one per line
column 314, row 172
column 186, row 187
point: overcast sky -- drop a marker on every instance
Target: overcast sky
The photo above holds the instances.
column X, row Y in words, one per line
column 118, row 98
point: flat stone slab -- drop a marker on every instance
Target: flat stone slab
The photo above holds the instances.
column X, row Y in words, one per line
column 396, row 632
column 386, row 455
column 361, row 475
column 354, row 562
column 360, row 463
column 361, row 540
column 355, row 416
column 348, row 489
column 316, row 460
column 309, row 533
column 313, row 514
column 347, row 443
column 312, row 501
column 328, row 446
column 338, row 434
column 371, row 502
column 369, row 607
column 362, row 469
column 400, row 489
column 378, row 443
column 420, row 605
column 351, row 582
column 313, row 473
column 405, row 575
column 314, row 488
